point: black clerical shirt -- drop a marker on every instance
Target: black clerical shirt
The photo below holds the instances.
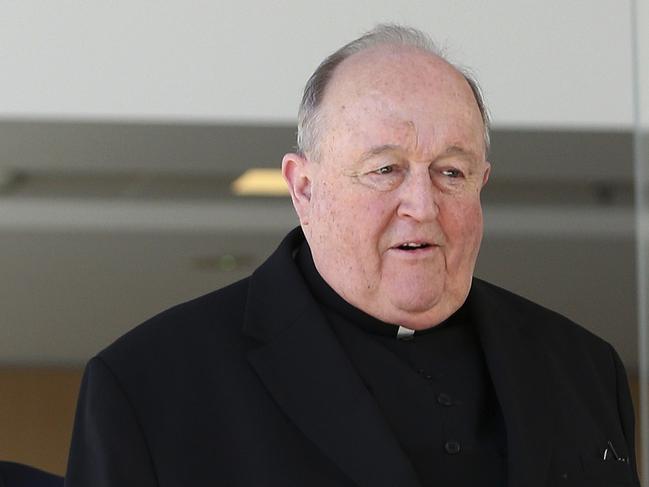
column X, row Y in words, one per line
column 433, row 389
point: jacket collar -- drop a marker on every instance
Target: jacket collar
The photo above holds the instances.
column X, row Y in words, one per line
column 304, row 368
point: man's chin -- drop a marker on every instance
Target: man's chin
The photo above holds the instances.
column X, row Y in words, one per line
column 419, row 312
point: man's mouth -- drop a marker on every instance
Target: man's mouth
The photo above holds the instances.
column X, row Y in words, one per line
column 410, row 246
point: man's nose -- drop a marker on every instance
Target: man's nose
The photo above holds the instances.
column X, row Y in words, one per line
column 418, row 198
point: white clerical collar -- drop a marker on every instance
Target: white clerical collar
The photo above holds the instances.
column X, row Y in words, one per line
column 405, row 333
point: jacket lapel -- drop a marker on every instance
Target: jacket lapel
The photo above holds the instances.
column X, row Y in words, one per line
column 523, row 389
column 303, row 366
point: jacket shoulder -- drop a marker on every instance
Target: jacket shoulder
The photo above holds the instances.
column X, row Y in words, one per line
column 203, row 325
column 537, row 321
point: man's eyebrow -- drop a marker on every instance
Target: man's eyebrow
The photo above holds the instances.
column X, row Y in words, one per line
column 457, row 150
column 378, row 150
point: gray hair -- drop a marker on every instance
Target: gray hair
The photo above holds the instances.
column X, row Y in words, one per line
column 309, row 125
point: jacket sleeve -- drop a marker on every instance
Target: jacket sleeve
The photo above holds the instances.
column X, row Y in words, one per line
column 108, row 447
column 625, row 410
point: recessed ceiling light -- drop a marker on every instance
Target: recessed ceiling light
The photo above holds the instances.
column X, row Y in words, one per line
column 260, row 182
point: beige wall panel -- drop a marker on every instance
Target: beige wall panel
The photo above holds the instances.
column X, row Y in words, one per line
column 36, row 414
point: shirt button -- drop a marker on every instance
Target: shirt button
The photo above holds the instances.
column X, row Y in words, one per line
column 452, row 447
column 444, row 399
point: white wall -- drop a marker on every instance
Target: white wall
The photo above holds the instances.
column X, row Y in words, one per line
column 554, row 62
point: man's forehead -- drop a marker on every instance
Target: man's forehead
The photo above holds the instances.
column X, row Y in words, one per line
column 394, row 82
column 410, row 128
column 402, row 96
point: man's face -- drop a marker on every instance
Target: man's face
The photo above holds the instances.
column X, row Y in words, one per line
column 391, row 208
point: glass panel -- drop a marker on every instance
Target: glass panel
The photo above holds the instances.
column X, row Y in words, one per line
column 640, row 12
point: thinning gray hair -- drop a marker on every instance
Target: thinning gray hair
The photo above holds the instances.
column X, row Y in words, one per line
column 309, row 125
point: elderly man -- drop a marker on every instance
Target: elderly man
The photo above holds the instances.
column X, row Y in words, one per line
column 363, row 352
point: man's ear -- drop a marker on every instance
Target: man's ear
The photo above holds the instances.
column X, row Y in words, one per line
column 487, row 172
column 295, row 169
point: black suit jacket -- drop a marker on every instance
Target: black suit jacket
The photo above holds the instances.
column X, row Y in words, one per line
column 18, row 475
column 248, row 386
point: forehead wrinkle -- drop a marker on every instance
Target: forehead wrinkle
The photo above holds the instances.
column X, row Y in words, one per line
column 400, row 140
column 406, row 136
column 380, row 149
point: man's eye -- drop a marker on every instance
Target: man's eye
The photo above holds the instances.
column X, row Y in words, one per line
column 452, row 173
column 384, row 170
column 384, row 178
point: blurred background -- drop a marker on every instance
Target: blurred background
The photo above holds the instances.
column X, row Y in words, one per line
column 125, row 125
